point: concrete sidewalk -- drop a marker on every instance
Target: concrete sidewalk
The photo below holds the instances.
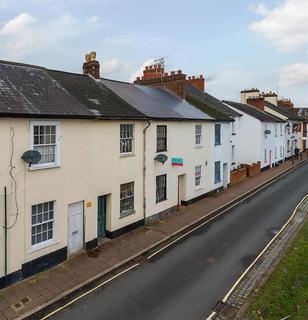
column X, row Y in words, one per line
column 32, row 294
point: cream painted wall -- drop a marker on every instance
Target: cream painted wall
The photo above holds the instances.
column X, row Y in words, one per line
column 91, row 165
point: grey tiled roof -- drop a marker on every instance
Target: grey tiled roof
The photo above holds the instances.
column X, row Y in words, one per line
column 285, row 111
column 100, row 100
column 156, row 103
column 254, row 112
column 29, row 91
column 210, row 101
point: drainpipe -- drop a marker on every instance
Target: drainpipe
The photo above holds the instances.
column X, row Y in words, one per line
column 5, row 237
column 144, row 168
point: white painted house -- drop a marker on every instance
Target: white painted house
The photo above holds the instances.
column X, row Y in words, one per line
column 282, row 109
column 261, row 136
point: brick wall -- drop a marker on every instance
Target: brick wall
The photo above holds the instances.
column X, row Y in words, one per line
column 256, row 102
column 253, row 169
column 238, row 175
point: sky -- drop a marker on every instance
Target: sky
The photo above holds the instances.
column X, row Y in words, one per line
column 236, row 44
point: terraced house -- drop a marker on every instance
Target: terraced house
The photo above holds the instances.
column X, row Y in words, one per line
column 111, row 156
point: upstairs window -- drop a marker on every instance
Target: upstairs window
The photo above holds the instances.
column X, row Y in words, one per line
column 45, row 140
column 233, row 127
column 198, row 134
column 198, row 175
column 126, row 138
column 217, row 134
column 161, row 136
column 276, row 129
column 281, row 129
column 127, row 199
column 161, row 188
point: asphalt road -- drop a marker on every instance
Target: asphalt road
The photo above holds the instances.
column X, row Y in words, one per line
column 186, row 280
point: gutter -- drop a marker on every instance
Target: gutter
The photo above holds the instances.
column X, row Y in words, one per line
column 144, row 168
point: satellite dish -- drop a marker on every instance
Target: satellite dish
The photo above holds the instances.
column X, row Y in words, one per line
column 161, row 158
column 31, row 157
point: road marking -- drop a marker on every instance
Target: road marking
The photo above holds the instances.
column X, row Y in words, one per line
column 258, row 257
column 216, row 216
column 88, row 292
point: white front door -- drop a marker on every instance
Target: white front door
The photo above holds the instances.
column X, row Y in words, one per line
column 75, row 227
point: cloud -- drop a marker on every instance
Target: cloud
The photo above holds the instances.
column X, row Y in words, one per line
column 294, row 75
column 93, row 19
column 113, row 66
column 286, row 25
column 26, row 35
column 139, row 71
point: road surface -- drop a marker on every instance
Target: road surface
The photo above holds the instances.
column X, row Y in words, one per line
column 185, row 281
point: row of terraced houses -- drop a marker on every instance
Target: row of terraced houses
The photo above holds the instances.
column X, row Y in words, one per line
column 108, row 156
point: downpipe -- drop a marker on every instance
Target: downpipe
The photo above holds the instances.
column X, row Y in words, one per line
column 5, row 237
column 144, row 169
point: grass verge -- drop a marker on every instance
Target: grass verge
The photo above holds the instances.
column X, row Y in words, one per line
column 285, row 292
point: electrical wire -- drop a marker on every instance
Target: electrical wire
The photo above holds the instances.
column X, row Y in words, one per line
column 12, row 132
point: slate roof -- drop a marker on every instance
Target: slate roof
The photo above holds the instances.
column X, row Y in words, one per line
column 100, row 100
column 285, row 111
column 28, row 91
column 156, row 103
column 254, row 112
column 210, row 103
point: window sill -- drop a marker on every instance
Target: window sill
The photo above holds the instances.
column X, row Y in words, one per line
column 42, row 167
column 43, row 245
column 198, row 188
column 198, row 146
column 161, row 151
column 128, row 154
column 217, row 181
column 217, row 144
column 160, row 201
column 127, row 214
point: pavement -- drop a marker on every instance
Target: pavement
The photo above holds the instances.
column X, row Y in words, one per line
column 22, row 299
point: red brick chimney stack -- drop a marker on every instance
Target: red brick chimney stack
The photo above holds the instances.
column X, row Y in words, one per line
column 174, row 81
column 286, row 103
column 257, row 102
column 91, row 65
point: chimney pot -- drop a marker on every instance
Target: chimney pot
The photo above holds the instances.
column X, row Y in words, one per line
column 193, row 77
column 201, row 76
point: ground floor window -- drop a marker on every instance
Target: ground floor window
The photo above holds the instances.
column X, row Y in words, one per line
column 217, row 172
column 265, row 155
column 43, row 222
column 127, row 199
column 198, row 174
column 161, row 188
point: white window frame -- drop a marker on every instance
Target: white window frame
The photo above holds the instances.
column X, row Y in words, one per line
column 265, row 155
column 199, row 135
column 48, row 242
column 233, row 154
column 217, row 180
column 126, row 213
column 56, row 163
column 198, row 177
column 132, row 139
column 233, row 131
